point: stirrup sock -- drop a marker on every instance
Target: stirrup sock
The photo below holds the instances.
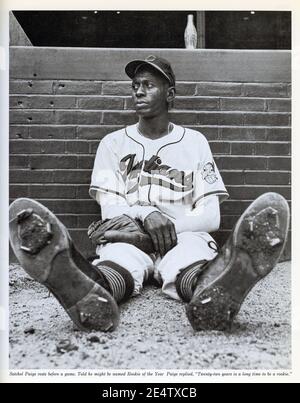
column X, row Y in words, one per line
column 120, row 280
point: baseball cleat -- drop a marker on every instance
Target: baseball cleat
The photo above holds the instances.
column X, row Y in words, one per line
column 250, row 253
column 46, row 252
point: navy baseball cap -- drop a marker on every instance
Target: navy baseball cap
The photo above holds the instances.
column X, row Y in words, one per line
column 158, row 63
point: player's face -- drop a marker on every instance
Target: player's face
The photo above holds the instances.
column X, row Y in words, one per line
column 150, row 93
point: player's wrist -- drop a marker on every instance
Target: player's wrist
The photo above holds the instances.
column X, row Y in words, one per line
column 145, row 212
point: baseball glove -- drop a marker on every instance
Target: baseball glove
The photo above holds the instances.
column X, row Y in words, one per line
column 120, row 229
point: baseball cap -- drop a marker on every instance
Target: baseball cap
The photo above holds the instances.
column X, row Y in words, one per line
column 158, row 63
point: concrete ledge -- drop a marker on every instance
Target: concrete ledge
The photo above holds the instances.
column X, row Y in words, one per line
column 189, row 65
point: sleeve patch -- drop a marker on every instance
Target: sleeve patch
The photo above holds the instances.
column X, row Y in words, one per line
column 209, row 173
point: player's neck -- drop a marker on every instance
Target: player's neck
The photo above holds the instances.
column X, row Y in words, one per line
column 155, row 127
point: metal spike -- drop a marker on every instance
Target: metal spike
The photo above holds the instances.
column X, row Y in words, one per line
column 82, row 316
column 102, row 299
column 251, row 225
column 22, row 215
column 274, row 241
column 206, row 301
column 48, row 228
column 25, row 249
column 108, row 327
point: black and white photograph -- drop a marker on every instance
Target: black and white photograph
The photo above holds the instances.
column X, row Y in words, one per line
column 150, row 190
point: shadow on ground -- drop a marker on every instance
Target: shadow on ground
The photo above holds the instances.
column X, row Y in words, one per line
column 154, row 332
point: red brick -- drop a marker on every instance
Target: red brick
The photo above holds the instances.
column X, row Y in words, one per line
column 218, row 89
column 233, row 177
column 289, row 90
column 41, row 102
column 52, row 132
column 234, row 207
column 239, row 163
column 211, row 133
column 279, row 105
column 83, row 221
column 16, row 191
column 206, row 118
column 24, row 147
column 273, row 149
column 31, row 116
column 71, row 206
column 36, row 147
column 82, row 192
column 252, row 192
column 243, row 148
column 228, row 118
column 94, row 146
column 119, row 118
column 18, row 161
column 30, row 176
column 218, row 147
column 78, row 117
column 101, row 102
column 77, row 87
column 186, row 103
column 279, row 163
column 95, row 132
column 53, row 161
column 116, row 88
column 52, row 146
column 228, row 221
column 72, row 176
column 267, row 178
column 128, row 103
column 242, row 133
column 77, row 147
column 242, row 104
column 31, row 87
column 52, row 191
column 266, row 119
column 265, row 90
column 18, row 132
column 197, row 103
column 69, row 220
column 278, row 134
column 86, row 161
column 186, row 89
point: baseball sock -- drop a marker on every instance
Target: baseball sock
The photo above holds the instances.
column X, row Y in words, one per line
column 120, row 281
column 186, row 280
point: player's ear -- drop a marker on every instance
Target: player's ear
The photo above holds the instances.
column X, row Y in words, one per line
column 171, row 96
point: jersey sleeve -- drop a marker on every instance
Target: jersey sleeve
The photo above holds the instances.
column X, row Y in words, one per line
column 208, row 180
column 106, row 175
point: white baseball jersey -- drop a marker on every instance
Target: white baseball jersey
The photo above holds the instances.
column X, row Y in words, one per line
column 172, row 173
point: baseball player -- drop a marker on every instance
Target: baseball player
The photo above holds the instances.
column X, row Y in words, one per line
column 159, row 190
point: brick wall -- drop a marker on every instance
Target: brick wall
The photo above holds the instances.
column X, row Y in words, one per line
column 56, row 126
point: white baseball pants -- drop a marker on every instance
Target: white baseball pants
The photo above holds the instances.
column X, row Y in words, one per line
column 191, row 248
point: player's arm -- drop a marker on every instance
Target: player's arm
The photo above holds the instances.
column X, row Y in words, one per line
column 205, row 217
column 160, row 228
column 113, row 205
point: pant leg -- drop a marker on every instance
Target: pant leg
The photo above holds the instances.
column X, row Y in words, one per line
column 192, row 247
column 138, row 263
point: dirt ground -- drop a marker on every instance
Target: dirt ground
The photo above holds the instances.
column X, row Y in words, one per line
column 154, row 332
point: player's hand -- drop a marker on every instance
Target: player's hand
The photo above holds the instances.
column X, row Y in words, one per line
column 162, row 232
